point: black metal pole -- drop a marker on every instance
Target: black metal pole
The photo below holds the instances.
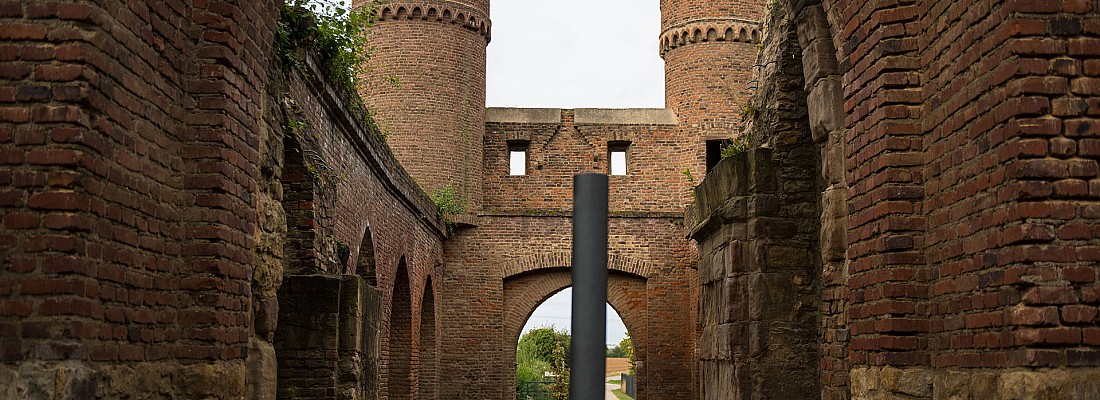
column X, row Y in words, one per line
column 588, row 349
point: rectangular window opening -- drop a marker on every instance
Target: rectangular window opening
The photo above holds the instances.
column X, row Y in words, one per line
column 617, row 157
column 517, row 158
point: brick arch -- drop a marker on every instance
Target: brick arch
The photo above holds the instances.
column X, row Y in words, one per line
column 615, row 262
column 397, row 351
column 427, row 371
column 523, row 293
column 365, row 264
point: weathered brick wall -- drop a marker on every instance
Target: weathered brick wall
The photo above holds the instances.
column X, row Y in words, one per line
column 968, row 269
column 125, row 133
column 435, row 117
column 358, row 188
column 1007, row 129
column 143, row 211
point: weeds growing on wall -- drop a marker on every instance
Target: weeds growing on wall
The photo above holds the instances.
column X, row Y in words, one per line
column 337, row 35
column 448, row 203
column 737, row 145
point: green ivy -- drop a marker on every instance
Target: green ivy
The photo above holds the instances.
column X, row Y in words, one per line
column 337, row 35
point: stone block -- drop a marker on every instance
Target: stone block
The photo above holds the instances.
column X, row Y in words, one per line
column 707, row 347
column 736, row 308
column 262, row 371
column 825, row 106
column 713, row 265
column 819, row 62
column 781, row 257
column 761, row 171
column 266, row 317
column 735, row 258
column 834, row 239
column 832, row 160
column 811, row 24
column 834, row 203
column 68, row 380
column 734, row 209
column 763, row 205
column 724, row 338
column 771, row 297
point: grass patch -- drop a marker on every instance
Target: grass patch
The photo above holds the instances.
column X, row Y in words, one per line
column 615, row 382
column 619, row 393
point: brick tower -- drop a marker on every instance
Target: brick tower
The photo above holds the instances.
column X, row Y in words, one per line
column 709, row 47
column 434, row 114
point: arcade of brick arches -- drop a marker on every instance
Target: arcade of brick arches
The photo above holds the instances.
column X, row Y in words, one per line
column 915, row 215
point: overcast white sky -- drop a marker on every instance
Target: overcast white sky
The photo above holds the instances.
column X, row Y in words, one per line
column 555, row 312
column 575, row 54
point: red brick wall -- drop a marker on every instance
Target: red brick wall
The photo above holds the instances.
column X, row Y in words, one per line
column 656, row 159
column 132, row 135
column 125, row 134
column 434, row 118
column 360, row 187
column 1011, row 217
column 485, row 263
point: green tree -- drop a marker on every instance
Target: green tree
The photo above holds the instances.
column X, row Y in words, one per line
column 559, row 366
column 541, row 342
column 538, row 353
column 626, row 347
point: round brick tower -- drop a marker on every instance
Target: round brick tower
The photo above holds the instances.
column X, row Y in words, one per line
column 709, row 48
column 433, row 113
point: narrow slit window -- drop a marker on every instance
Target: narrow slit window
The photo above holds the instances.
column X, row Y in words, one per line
column 517, row 158
column 617, row 157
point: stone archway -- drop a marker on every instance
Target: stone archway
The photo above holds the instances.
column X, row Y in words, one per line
column 525, row 292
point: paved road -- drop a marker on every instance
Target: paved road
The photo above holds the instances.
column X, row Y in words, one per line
column 608, row 387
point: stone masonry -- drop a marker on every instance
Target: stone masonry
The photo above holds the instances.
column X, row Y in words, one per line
column 955, row 260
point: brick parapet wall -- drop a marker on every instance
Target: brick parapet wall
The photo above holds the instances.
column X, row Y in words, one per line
column 678, row 12
column 561, row 143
